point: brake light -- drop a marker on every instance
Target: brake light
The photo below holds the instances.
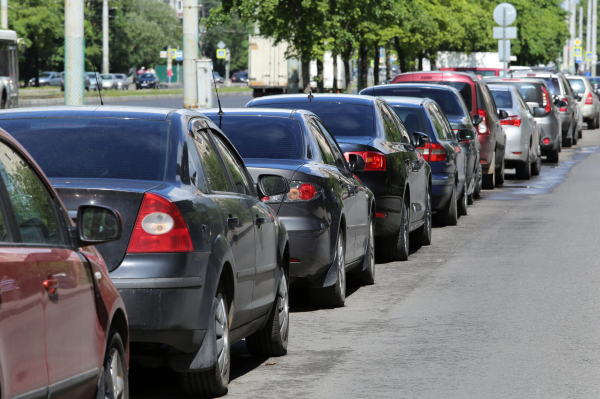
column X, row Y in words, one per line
column 483, row 125
column 546, row 100
column 433, row 152
column 546, row 141
column 159, row 228
column 373, row 160
column 513, row 120
column 380, row 215
column 589, row 100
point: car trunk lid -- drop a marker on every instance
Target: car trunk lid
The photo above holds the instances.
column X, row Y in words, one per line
column 282, row 167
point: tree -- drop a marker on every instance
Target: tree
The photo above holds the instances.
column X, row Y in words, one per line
column 234, row 33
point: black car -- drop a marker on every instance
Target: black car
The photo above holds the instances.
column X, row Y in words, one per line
column 147, row 81
column 455, row 109
column 196, row 238
column 395, row 171
column 329, row 213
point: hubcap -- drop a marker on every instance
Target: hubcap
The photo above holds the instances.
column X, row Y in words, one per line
column 341, row 267
column 114, row 376
column 283, row 307
column 371, row 249
column 222, row 334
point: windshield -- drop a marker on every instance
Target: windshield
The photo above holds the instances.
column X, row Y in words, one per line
column 464, row 89
column 449, row 102
column 262, row 136
column 95, row 147
column 106, row 77
column 147, row 75
column 578, row 85
column 45, row 75
column 503, row 98
column 414, row 118
column 120, row 76
column 341, row 119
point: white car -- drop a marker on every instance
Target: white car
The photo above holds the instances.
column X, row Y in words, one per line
column 590, row 105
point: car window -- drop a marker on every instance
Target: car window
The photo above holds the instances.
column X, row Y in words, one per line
column 392, row 133
column 553, row 85
column 463, row 87
column 448, row 100
column 326, row 154
column 236, row 167
column 567, row 86
column 489, row 99
column 521, row 100
column 578, row 85
column 335, row 150
column 413, row 118
column 445, row 124
column 438, row 125
column 34, row 208
column 503, row 98
column 405, row 138
column 217, row 178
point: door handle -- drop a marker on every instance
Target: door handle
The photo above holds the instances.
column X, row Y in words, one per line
column 51, row 284
column 232, row 222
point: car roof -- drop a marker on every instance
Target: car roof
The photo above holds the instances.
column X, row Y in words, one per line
column 318, row 98
column 423, row 85
column 89, row 111
column 538, row 74
column 273, row 112
column 456, row 74
column 399, row 100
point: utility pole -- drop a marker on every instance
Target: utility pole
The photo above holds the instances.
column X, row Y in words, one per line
column 4, row 22
column 190, row 53
column 104, row 36
column 74, row 53
column 594, row 35
column 581, row 34
column 572, row 18
column 588, row 34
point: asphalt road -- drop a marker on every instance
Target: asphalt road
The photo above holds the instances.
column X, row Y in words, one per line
column 504, row 305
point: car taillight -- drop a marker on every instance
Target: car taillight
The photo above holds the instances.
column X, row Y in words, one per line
column 159, row 228
column 546, row 141
column 589, row 100
column 565, row 99
column 299, row 192
column 513, row 120
column 546, row 100
column 373, row 160
column 483, row 129
column 433, row 152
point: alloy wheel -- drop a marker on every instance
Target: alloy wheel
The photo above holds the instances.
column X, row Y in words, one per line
column 222, row 334
column 283, row 307
column 405, row 232
column 341, row 266
column 114, row 378
column 371, row 249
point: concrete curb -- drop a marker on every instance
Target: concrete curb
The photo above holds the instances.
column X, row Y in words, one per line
column 108, row 100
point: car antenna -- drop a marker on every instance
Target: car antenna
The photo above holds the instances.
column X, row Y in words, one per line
column 97, row 83
column 310, row 96
column 221, row 113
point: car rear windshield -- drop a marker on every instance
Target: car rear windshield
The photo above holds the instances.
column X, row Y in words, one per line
column 485, row 73
column 578, row 85
column 414, row 118
column 107, row 77
column 503, row 98
column 341, row 119
column 464, row 89
column 96, row 148
column 446, row 99
column 531, row 92
column 263, row 136
column 553, row 85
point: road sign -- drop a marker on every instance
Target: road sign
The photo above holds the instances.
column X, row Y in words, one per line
column 179, row 55
column 588, row 55
column 221, row 53
column 221, row 45
column 577, row 51
column 577, row 42
column 579, row 59
column 504, row 50
column 511, row 32
column 163, row 54
column 174, row 54
column 511, row 14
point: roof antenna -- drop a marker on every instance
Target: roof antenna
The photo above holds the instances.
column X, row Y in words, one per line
column 310, row 96
column 97, row 83
column 221, row 113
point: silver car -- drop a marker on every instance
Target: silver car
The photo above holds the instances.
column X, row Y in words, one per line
column 590, row 105
column 95, row 80
column 523, row 151
column 122, row 81
column 109, row 81
column 45, row 78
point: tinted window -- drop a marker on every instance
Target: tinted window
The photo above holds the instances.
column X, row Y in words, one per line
column 147, row 75
column 413, row 118
column 33, row 206
column 94, row 147
column 341, row 119
column 446, row 99
column 438, row 124
column 577, row 85
column 335, row 150
column 464, row 89
column 503, row 98
column 217, row 178
column 552, row 85
column 263, row 137
column 399, row 126
column 326, row 153
column 391, row 130
column 485, row 73
column 236, row 168
column 107, row 77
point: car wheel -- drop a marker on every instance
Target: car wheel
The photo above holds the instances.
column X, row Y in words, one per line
column 524, row 170
column 214, row 382
column 575, row 136
column 397, row 246
column 114, row 373
column 449, row 215
column 500, row 175
column 272, row 339
column 536, row 168
column 553, row 156
column 478, row 183
column 424, row 232
column 335, row 295
column 367, row 276
column 568, row 141
column 462, row 204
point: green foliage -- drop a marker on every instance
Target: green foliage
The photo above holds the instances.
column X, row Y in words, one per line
column 234, row 33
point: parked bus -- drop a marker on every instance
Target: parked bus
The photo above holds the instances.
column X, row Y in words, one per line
column 9, row 69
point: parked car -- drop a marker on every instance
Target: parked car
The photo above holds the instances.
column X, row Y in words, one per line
column 560, row 90
column 328, row 209
column 443, row 152
column 196, row 236
column 147, row 80
column 56, row 79
column 536, row 94
column 95, row 80
column 522, row 133
column 218, row 78
column 122, row 81
column 590, row 105
column 479, row 102
column 395, row 171
column 109, row 81
column 240, row 77
column 595, row 81
column 455, row 110
column 86, row 82
column 63, row 325
column 45, row 78
column 478, row 71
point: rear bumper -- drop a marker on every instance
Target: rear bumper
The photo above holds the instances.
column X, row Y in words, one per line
column 588, row 111
column 549, row 128
column 516, row 149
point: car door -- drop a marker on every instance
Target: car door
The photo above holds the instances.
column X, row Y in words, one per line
column 23, row 370
column 237, row 223
column 459, row 154
column 74, row 347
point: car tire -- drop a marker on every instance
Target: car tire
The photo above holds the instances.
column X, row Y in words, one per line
column 367, row 276
column 272, row 339
column 478, row 183
column 568, row 141
column 462, row 203
column 536, row 167
column 333, row 296
column 114, row 379
column 214, row 381
column 397, row 246
column 552, row 156
column 524, row 170
column 449, row 215
column 575, row 137
column 423, row 233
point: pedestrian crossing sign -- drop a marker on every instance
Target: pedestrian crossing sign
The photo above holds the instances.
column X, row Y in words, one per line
column 577, row 51
column 221, row 53
column 588, row 55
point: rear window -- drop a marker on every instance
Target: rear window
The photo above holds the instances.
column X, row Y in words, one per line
column 531, row 92
column 577, row 85
column 341, row 119
column 463, row 88
column 414, row 118
column 95, row 148
column 446, row 99
column 553, row 85
column 263, row 137
column 503, row 98
column 486, row 73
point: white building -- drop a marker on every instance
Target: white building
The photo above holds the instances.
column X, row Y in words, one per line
column 176, row 5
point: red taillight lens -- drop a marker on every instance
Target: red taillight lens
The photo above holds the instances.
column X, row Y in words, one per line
column 546, row 100
column 483, row 129
column 565, row 100
column 562, row 109
column 513, row 120
column 159, row 228
column 307, row 191
column 546, row 141
column 437, row 153
column 380, row 215
column 299, row 191
column 589, row 100
column 373, row 160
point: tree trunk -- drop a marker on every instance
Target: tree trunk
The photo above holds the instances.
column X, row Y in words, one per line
column 305, row 76
column 388, row 63
column 335, row 73
column 376, row 66
column 363, row 55
column 401, row 57
column 420, row 58
column 37, row 69
column 320, row 83
column 346, row 54
column 432, row 61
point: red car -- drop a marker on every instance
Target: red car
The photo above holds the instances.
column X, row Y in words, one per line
column 485, row 115
column 478, row 71
column 63, row 326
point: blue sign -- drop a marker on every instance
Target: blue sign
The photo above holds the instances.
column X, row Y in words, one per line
column 179, row 55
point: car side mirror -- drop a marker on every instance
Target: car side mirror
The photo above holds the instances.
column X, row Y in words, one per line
column 271, row 185
column 356, row 163
column 562, row 104
column 502, row 114
column 465, row 135
column 420, row 139
column 477, row 119
column 578, row 96
column 539, row 111
column 97, row 224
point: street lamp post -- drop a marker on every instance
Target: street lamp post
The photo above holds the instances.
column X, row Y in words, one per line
column 74, row 53
column 190, row 53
